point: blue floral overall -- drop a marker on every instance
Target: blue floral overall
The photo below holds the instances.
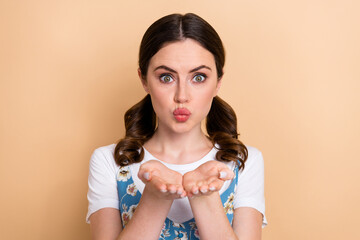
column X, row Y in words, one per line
column 129, row 198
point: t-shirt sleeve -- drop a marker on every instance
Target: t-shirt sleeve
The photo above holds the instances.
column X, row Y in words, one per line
column 102, row 191
column 250, row 188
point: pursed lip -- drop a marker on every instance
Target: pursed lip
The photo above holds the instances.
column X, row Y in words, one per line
column 181, row 114
column 181, row 111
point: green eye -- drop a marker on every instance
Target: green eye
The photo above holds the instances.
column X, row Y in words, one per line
column 166, row 78
column 199, row 78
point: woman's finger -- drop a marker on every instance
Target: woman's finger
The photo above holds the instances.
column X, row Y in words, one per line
column 204, row 188
column 144, row 175
column 226, row 174
column 171, row 188
column 216, row 185
column 159, row 184
column 195, row 190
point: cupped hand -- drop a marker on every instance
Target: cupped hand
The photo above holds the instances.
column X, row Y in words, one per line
column 207, row 178
column 161, row 181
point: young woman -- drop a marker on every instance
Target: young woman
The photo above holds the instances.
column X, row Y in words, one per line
column 167, row 178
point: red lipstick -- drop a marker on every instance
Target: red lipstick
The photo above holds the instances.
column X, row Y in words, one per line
column 182, row 114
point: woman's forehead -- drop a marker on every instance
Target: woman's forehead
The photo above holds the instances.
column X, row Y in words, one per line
column 183, row 53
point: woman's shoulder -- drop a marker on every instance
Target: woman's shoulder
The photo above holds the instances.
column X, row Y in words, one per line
column 253, row 152
column 104, row 157
column 255, row 158
column 108, row 149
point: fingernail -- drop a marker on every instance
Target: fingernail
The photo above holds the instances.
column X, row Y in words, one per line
column 223, row 174
column 196, row 192
column 147, row 176
column 212, row 188
column 179, row 192
column 163, row 190
column 203, row 190
column 172, row 191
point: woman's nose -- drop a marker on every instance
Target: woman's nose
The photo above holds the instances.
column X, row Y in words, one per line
column 182, row 93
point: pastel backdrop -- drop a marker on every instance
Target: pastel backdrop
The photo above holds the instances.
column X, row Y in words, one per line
column 68, row 74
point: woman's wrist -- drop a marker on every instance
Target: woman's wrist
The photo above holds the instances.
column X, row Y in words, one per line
column 150, row 197
column 210, row 198
column 150, row 214
column 210, row 217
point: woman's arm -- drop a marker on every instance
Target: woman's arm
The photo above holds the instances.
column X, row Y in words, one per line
column 204, row 183
column 105, row 224
column 247, row 223
column 148, row 219
column 212, row 222
column 146, row 222
column 150, row 214
column 210, row 218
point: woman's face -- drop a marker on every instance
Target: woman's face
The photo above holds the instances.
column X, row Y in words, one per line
column 182, row 81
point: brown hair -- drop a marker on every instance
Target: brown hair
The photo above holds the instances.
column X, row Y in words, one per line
column 140, row 120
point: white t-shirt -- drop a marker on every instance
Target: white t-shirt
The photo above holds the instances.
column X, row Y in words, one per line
column 103, row 185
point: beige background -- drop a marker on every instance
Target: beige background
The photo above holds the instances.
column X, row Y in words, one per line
column 68, row 73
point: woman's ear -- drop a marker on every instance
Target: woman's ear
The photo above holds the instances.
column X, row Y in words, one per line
column 218, row 85
column 143, row 81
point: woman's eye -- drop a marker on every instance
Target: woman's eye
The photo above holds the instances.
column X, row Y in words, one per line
column 199, row 78
column 166, row 78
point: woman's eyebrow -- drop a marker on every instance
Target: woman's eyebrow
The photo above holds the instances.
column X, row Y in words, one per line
column 166, row 68
column 200, row 67
column 191, row 71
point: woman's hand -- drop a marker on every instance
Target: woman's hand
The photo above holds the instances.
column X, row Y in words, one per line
column 161, row 181
column 207, row 178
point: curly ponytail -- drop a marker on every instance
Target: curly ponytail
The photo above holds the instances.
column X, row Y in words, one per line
column 140, row 123
column 221, row 125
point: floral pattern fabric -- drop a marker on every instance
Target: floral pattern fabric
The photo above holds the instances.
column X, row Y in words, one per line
column 129, row 198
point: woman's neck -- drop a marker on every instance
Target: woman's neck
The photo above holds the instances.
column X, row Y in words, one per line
column 179, row 148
